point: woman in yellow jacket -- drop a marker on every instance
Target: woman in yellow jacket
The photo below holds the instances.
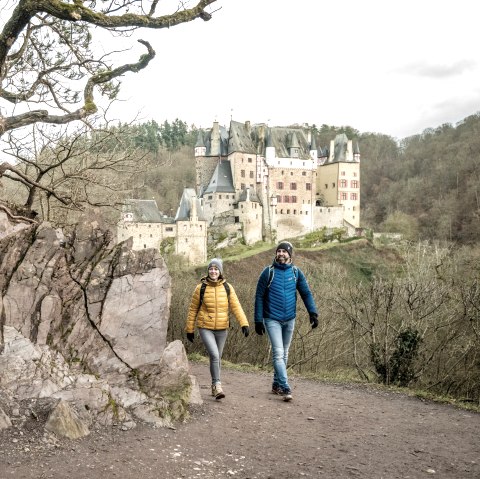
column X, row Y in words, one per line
column 209, row 308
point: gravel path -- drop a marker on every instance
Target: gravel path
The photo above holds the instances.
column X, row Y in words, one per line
column 328, row 431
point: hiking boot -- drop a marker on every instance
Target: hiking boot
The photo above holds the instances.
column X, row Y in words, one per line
column 287, row 396
column 217, row 391
column 277, row 390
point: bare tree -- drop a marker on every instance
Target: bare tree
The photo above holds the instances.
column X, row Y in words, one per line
column 51, row 74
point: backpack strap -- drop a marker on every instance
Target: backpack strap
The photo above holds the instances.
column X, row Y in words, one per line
column 271, row 273
column 227, row 289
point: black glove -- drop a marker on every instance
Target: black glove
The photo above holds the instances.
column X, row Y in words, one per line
column 259, row 328
column 245, row 331
column 314, row 320
column 191, row 337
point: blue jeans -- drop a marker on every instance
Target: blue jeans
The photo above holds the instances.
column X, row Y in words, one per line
column 280, row 334
column 214, row 341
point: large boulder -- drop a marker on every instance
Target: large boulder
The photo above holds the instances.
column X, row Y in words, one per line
column 80, row 318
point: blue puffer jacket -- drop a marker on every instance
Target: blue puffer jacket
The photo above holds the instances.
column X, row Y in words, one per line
column 279, row 301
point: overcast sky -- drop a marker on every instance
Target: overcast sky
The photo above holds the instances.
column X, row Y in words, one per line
column 378, row 66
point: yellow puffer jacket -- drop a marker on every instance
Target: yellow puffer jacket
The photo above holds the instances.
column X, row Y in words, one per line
column 213, row 313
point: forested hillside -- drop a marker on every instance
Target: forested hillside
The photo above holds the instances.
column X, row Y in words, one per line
column 426, row 187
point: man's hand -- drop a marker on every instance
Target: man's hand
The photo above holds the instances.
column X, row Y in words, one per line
column 259, row 328
column 191, row 337
column 314, row 320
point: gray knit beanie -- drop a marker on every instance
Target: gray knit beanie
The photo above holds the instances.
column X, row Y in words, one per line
column 218, row 263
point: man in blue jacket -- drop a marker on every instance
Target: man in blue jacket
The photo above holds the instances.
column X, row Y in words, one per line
column 276, row 309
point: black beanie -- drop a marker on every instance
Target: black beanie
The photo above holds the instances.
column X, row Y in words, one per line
column 286, row 246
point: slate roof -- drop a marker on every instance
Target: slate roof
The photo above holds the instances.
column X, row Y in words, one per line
column 240, row 139
column 221, row 181
column 145, row 211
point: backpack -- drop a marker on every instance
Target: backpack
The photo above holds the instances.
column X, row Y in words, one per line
column 271, row 273
column 202, row 293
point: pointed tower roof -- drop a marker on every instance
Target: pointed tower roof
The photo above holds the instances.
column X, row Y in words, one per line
column 313, row 144
column 200, row 141
column 185, row 207
column 221, row 181
column 293, row 141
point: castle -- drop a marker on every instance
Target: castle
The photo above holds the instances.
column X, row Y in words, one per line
column 254, row 183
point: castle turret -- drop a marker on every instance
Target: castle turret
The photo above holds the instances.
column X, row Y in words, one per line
column 293, row 146
column 356, row 153
column 200, row 148
column 269, row 148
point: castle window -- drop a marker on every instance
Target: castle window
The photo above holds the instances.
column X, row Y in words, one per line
column 279, row 185
column 286, row 199
column 151, row 236
column 293, row 186
column 333, row 185
column 343, row 183
column 249, row 160
column 354, row 173
column 306, row 212
column 326, row 186
column 353, row 196
column 279, row 199
column 304, row 173
column 210, row 197
column 291, row 173
column 308, row 186
column 354, row 184
column 242, row 173
column 144, row 245
column 281, row 212
column 294, row 199
column 219, row 197
column 139, row 236
column 294, row 212
column 237, row 219
column 343, row 196
column 288, row 212
column 149, row 226
column 168, row 228
column 342, row 173
column 251, row 174
column 242, row 186
column 353, row 209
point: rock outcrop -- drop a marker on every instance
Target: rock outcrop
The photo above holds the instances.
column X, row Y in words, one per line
column 83, row 323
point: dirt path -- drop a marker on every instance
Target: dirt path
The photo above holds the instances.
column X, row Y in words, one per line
column 328, row 431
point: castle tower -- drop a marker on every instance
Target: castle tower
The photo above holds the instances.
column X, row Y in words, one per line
column 338, row 179
column 191, row 238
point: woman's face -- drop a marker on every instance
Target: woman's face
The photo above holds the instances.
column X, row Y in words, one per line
column 213, row 273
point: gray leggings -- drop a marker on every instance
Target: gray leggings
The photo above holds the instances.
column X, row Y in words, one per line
column 214, row 341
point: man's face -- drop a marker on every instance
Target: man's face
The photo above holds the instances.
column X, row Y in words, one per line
column 282, row 256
